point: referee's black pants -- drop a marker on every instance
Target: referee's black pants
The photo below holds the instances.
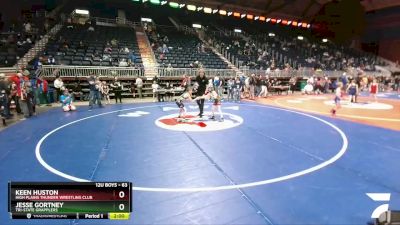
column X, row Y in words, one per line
column 200, row 103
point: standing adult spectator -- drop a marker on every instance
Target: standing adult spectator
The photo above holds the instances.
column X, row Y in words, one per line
column 133, row 89
column 58, row 84
column 258, row 85
column 202, row 86
column 16, row 90
column 77, row 92
column 252, row 83
column 292, row 84
column 327, row 84
column 117, row 89
column 237, row 88
column 264, row 91
column 155, row 86
column 4, row 96
column 25, row 100
column 230, row 84
column 94, row 94
column 43, row 88
column 139, row 85
column 218, row 85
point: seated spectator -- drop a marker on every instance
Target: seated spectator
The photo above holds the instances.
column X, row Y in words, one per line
column 123, row 63
column 51, row 60
column 132, row 56
column 108, row 50
column 66, row 101
column 91, row 28
column 160, row 49
column 37, row 63
column 114, row 42
column 106, row 57
column 27, row 27
column 165, row 40
column 165, row 49
column 81, row 45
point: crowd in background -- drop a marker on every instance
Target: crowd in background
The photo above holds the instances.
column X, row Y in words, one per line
column 23, row 92
column 18, row 37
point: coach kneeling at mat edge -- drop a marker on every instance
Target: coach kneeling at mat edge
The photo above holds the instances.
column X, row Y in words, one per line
column 202, row 82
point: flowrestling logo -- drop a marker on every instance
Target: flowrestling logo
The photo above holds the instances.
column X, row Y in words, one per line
column 379, row 197
column 192, row 123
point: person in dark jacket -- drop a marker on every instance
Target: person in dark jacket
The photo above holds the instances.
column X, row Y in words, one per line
column 117, row 89
column 4, row 106
column 202, row 86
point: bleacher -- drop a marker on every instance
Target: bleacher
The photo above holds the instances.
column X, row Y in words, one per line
column 78, row 46
column 284, row 48
column 184, row 50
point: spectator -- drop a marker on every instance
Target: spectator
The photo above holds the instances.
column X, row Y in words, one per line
column 37, row 63
column 26, row 100
column 123, row 63
column 43, row 90
column 94, row 94
column 218, row 85
column 3, row 100
column 165, row 40
column 292, row 84
column 77, row 92
column 28, row 27
column 4, row 96
column 108, row 50
column 155, row 86
column 114, row 42
column 117, row 89
column 343, row 79
column 15, row 92
column 165, row 49
column 58, row 84
column 252, row 84
column 91, row 29
column 67, row 101
column 51, row 60
column 133, row 91
column 132, row 56
column 238, row 85
column 139, row 85
column 264, row 90
column 230, row 85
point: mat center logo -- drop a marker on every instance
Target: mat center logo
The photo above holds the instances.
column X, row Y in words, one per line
column 191, row 122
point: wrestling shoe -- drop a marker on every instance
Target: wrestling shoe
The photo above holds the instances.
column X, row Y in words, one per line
column 333, row 112
column 221, row 119
column 211, row 117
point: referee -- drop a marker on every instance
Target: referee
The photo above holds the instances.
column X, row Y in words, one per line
column 202, row 82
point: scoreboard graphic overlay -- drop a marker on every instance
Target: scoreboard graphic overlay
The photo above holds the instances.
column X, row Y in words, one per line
column 70, row 200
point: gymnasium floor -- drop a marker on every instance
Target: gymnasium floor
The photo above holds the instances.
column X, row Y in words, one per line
column 273, row 161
